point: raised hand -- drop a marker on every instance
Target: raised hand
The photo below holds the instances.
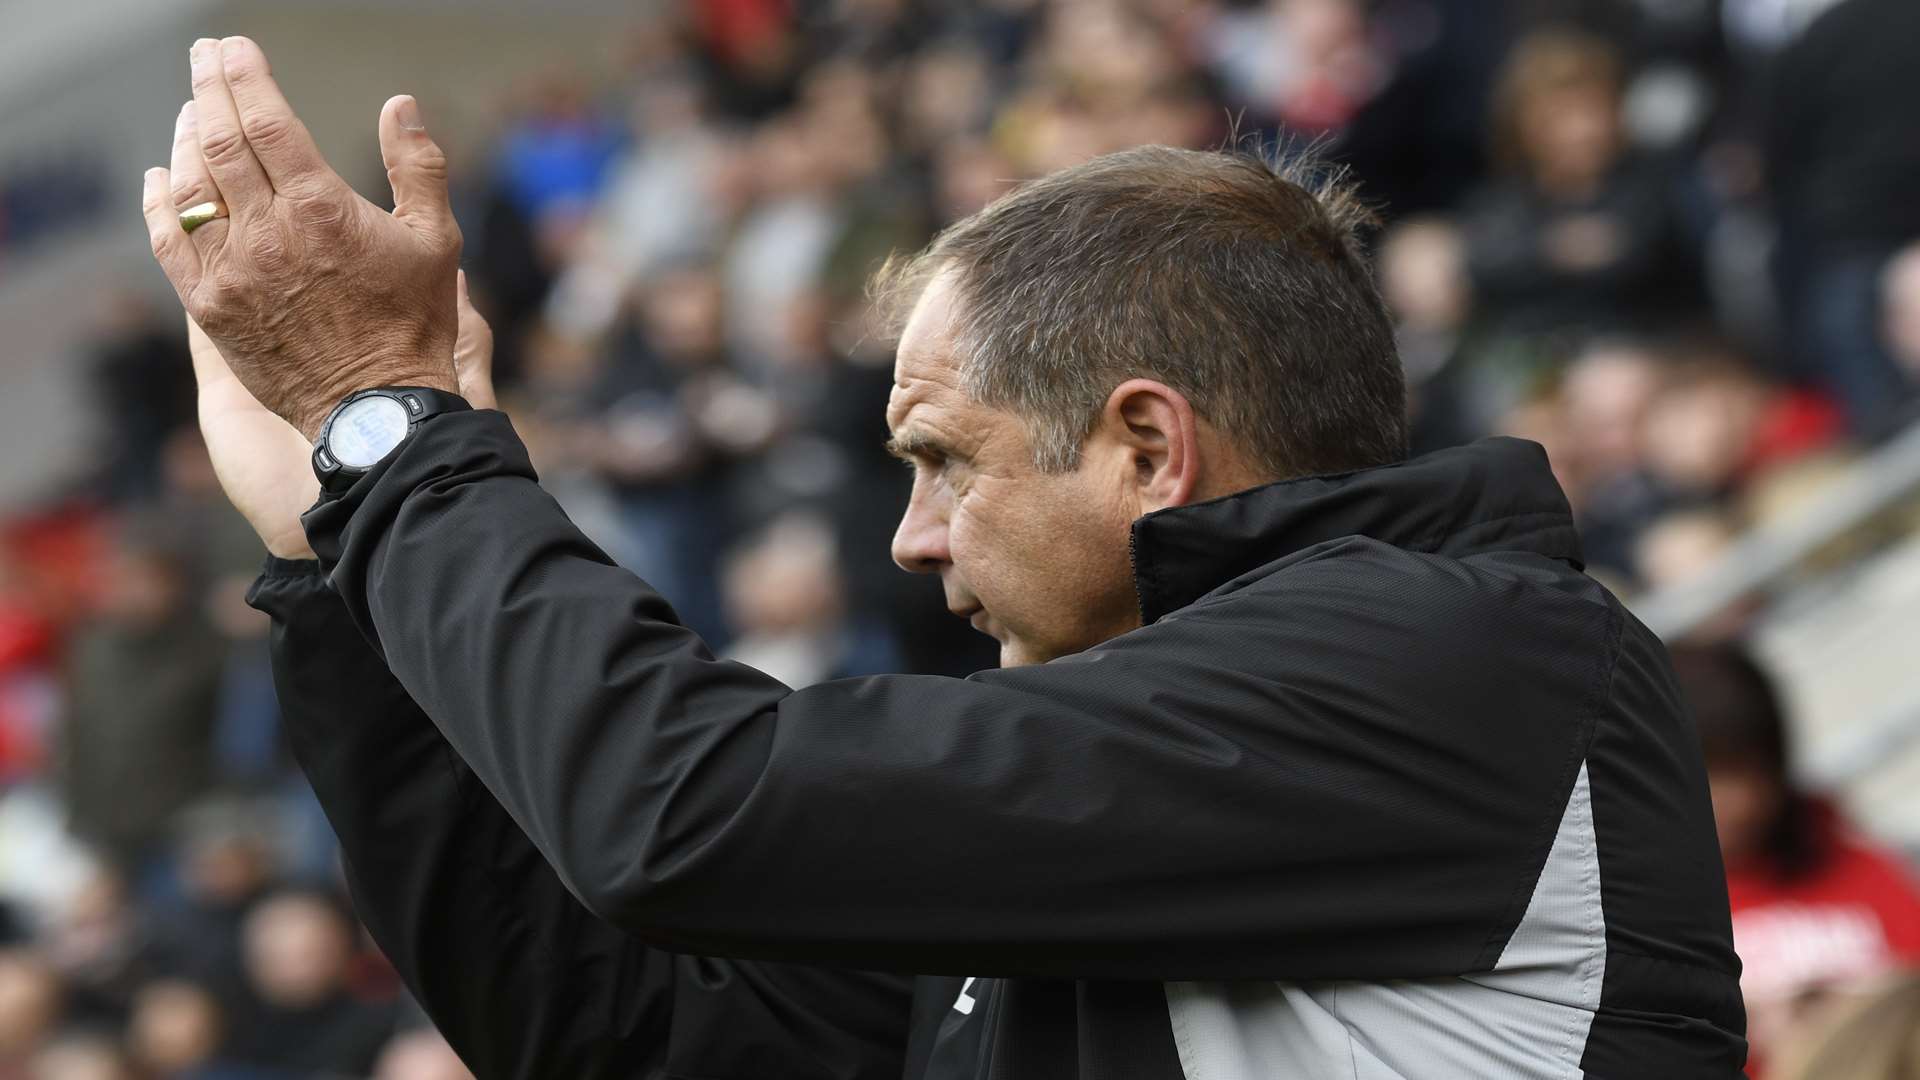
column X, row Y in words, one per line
column 309, row 291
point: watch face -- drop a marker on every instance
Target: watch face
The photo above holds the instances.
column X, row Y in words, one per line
column 366, row 431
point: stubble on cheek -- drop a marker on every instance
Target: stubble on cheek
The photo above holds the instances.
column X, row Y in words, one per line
column 1054, row 581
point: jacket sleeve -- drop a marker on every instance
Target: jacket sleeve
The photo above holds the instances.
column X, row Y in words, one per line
column 1185, row 801
column 523, row 980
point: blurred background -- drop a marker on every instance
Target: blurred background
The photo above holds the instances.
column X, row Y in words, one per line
column 1675, row 241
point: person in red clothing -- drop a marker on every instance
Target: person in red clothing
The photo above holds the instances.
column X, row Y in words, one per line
column 1815, row 906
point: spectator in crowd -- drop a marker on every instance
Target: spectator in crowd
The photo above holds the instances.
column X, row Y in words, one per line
column 1422, row 270
column 1718, row 435
column 99, row 946
column 143, row 392
column 1309, row 66
column 1642, row 431
column 135, row 741
column 555, row 158
column 668, row 200
column 1578, row 235
column 670, row 413
column 176, row 1032
column 1607, row 392
column 226, row 868
column 1843, row 165
column 1815, row 907
column 31, row 1004
column 301, row 1017
column 785, row 596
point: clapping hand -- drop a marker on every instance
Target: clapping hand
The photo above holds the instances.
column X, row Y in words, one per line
column 307, row 290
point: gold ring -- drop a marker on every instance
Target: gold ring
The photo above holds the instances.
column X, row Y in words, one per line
column 195, row 216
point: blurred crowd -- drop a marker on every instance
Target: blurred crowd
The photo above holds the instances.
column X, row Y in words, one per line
column 1674, row 241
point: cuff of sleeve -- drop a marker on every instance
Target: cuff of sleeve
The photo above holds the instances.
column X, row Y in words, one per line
column 290, row 568
column 409, row 493
column 451, row 447
column 285, row 586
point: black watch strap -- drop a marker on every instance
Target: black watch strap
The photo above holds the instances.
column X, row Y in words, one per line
column 418, row 403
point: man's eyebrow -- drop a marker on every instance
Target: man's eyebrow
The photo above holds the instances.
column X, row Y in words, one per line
column 911, row 443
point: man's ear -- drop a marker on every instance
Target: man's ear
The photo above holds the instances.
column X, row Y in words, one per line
column 1154, row 423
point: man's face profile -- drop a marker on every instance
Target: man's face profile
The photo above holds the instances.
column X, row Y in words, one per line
column 1036, row 560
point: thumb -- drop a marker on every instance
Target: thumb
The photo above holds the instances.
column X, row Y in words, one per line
column 417, row 169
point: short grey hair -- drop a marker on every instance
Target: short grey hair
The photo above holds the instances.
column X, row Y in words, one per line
column 1234, row 277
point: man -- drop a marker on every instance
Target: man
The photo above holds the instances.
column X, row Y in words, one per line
column 1841, row 167
column 1304, row 761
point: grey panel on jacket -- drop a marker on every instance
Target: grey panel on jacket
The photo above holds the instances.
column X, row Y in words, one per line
column 1527, row 1018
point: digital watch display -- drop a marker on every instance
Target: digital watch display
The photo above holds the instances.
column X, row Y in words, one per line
column 371, row 424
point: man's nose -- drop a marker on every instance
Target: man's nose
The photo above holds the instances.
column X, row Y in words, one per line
column 920, row 543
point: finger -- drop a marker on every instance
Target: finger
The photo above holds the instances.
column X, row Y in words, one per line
column 417, row 169
column 280, row 142
column 192, row 183
column 177, row 257
column 230, row 160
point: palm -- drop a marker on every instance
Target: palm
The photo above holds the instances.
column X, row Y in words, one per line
column 262, row 462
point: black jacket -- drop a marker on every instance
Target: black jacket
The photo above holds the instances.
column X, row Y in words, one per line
column 1840, row 150
column 1385, row 787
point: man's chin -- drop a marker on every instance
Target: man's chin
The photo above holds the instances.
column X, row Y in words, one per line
column 1011, row 652
column 1016, row 654
column 1014, row 651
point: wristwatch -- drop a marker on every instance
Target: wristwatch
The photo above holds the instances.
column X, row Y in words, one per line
column 370, row 424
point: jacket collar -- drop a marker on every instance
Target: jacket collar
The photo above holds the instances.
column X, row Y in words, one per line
column 1494, row 495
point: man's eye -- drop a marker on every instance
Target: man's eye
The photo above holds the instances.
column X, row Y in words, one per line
column 925, row 466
